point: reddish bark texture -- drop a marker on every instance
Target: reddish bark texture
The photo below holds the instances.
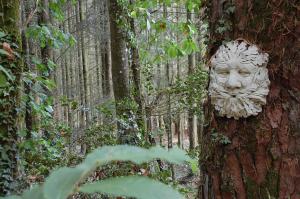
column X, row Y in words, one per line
column 263, row 158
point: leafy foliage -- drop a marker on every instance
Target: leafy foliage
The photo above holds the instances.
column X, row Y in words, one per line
column 220, row 138
column 66, row 181
column 9, row 81
column 192, row 90
column 100, row 135
column 44, row 151
column 50, row 36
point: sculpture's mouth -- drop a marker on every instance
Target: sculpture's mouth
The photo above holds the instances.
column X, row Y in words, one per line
column 234, row 95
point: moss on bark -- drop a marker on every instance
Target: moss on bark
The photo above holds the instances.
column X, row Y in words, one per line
column 9, row 20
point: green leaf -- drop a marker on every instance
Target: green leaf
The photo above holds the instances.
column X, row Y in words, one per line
column 3, row 80
column 133, row 14
column 49, row 109
column 194, row 165
column 7, row 73
column 35, row 193
column 72, row 41
column 189, row 46
column 2, row 34
column 132, row 186
column 135, row 154
column 172, row 51
column 3, row 52
column 46, row 31
column 62, row 182
column 11, row 197
column 74, row 2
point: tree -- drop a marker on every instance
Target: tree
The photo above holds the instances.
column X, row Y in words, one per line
column 9, row 82
column 262, row 159
column 120, row 72
column 27, row 47
column 105, row 49
column 84, row 65
column 136, row 76
column 191, row 68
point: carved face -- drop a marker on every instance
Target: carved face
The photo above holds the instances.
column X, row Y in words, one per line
column 238, row 80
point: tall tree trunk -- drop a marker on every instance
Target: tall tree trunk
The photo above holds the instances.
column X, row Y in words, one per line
column 191, row 68
column 44, row 20
column 168, row 116
column 178, row 116
column 9, row 23
column 79, row 72
column 105, row 50
column 136, row 75
column 27, row 46
column 106, row 67
column 98, row 68
column 84, row 66
column 262, row 160
column 120, row 73
column 71, row 81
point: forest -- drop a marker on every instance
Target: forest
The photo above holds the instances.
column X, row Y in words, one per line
column 149, row 99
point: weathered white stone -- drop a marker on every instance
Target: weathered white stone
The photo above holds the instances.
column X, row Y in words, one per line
column 239, row 81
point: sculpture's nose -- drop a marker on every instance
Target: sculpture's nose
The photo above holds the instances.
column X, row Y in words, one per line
column 233, row 81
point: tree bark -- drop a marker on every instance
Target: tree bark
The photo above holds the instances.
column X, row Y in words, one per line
column 84, row 67
column 71, row 82
column 262, row 159
column 105, row 48
column 191, row 68
column 27, row 46
column 80, row 73
column 136, row 75
column 168, row 116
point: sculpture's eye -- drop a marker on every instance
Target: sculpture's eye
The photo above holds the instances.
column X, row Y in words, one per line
column 244, row 72
column 223, row 72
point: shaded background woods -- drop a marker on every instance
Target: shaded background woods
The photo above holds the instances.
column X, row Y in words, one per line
column 96, row 73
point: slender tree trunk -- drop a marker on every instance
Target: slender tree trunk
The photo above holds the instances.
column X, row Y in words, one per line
column 262, row 160
column 105, row 48
column 66, row 79
column 84, row 66
column 71, row 81
column 10, row 101
column 136, row 75
column 98, row 67
column 168, row 116
column 191, row 68
column 27, row 46
column 178, row 116
column 105, row 70
column 80, row 72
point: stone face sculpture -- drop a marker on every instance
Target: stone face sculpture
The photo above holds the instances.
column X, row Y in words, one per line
column 239, row 81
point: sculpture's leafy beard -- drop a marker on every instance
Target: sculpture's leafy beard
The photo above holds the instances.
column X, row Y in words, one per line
column 242, row 102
